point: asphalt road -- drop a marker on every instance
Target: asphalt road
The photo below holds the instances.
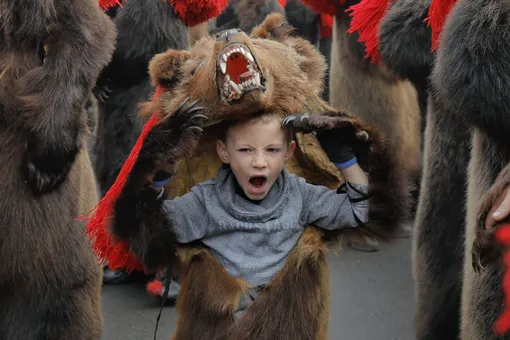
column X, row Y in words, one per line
column 372, row 298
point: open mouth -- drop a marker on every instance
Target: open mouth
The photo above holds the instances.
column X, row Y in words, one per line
column 258, row 182
column 240, row 73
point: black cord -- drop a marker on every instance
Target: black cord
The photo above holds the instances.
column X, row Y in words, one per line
column 163, row 299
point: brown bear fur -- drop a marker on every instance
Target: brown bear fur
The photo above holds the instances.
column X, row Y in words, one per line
column 51, row 53
column 471, row 76
column 197, row 32
column 376, row 95
column 208, row 294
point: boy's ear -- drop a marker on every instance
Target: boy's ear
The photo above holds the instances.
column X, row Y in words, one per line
column 290, row 151
column 221, row 150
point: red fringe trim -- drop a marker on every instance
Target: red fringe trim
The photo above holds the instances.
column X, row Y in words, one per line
column 326, row 29
column 438, row 12
column 282, row 3
column 195, row 12
column 324, row 6
column 117, row 254
column 366, row 19
column 502, row 325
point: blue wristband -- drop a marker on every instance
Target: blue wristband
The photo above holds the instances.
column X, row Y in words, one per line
column 346, row 164
column 161, row 183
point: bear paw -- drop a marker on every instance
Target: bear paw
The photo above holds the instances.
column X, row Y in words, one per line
column 45, row 169
column 307, row 123
column 174, row 137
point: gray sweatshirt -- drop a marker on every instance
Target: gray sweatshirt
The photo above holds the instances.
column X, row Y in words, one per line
column 253, row 239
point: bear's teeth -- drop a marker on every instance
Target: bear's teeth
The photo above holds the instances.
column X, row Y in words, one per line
column 235, row 87
column 223, row 66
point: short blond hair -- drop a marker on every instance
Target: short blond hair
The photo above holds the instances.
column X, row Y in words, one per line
column 263, row 118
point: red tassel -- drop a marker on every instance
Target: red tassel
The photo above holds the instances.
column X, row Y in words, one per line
column 117, row 254
column 155, row 288
column 194, row 12
column 366, row 19
column 502, row 325
column 502, row 235
column 326, row 29
column 438, row 11
column 324, row 6
column 282, row 3
column 105, row 4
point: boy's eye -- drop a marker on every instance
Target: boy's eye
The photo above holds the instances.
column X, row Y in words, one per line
column 243, row 150
column 273, row 150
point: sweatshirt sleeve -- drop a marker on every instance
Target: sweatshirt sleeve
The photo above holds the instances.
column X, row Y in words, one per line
column 188, row 215
column 329, row 209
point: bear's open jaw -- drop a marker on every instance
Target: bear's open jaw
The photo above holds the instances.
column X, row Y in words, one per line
column 238, row 72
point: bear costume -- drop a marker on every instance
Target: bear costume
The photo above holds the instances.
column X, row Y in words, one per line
column 130, row 230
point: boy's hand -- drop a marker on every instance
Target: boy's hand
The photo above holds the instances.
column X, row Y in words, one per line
column 499, row 211
column 485, row 248
column 336, row 133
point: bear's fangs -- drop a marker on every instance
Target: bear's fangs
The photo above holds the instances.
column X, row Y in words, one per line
column 240, row 73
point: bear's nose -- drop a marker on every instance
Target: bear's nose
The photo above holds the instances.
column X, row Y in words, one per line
column 228, row 35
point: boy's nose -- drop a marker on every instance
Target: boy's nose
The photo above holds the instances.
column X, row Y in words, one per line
column 259, row 161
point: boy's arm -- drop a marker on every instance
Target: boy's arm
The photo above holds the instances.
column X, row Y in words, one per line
column 388, row 188
column 344, row 208
column 328, row 209
column 188, row 214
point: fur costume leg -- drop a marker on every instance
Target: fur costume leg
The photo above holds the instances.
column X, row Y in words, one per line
column 472, row 76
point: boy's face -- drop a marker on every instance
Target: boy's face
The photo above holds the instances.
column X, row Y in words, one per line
column 256, row 152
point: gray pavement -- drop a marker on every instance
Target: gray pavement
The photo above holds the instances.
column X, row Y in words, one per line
column 371, row 298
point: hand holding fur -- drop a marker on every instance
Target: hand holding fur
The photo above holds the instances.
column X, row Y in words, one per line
column 485, row 249
column 174, row 138
column 138, row 216
column 389, row 202
column 336, row 132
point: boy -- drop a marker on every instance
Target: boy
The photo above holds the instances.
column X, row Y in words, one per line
column 252, row 214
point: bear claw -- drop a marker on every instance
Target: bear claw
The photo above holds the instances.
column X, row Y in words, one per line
column 485, row 251
column 41, row 181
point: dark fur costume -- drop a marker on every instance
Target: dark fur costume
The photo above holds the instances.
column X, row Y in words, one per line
column 145, row 28
column 51, row 53
column 471, row 77
column 209, row 296
column 405, row 46
column 246, row 14
column 438, row 251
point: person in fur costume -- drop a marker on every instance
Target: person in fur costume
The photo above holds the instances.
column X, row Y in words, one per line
column 232, row 77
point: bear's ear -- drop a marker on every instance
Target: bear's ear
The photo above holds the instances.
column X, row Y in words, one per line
column 165, row 68
column 274, row 27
